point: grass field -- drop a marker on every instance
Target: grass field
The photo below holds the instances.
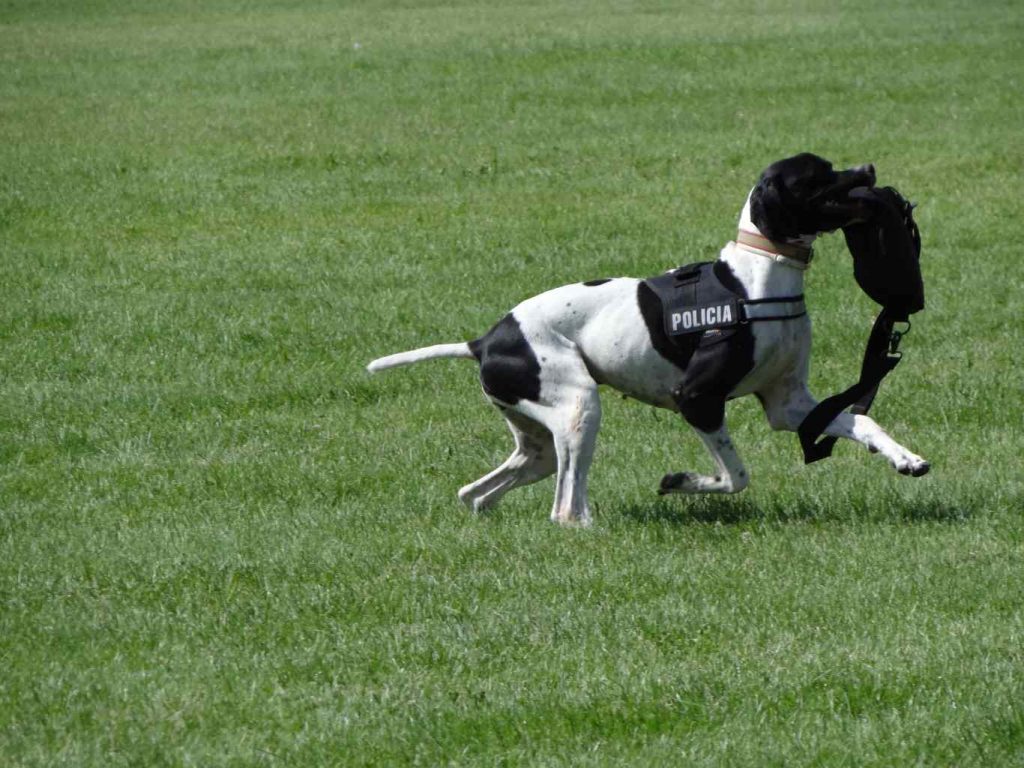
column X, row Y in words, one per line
column 222, row 543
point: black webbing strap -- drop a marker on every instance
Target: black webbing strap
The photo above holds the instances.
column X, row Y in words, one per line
column 881, row 356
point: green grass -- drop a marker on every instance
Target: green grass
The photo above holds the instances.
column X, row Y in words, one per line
column 222, row 543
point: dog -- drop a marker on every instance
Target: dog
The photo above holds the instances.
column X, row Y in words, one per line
column 543, row 362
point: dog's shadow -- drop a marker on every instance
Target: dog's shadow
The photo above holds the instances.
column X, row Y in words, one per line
column 724, row 510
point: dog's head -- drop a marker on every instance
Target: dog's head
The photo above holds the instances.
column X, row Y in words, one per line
column 803, row 195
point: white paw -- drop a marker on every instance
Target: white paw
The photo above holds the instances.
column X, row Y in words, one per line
column 912, row 465
column 569, row 520
column 691, row 482
column 466, row 497
column 684, row 482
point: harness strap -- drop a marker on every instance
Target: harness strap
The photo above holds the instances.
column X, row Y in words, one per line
column 782, row 308
column 880, row 356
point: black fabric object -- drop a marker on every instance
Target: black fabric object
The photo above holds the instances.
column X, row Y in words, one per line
column 886, row 252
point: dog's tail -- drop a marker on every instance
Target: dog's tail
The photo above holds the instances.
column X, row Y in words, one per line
column 460, row 349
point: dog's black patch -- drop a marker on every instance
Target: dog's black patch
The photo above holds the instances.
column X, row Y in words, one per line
column 728, row 278
column 599, row 281
column 509, row 370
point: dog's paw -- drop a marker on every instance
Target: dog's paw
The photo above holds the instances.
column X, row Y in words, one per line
column 569, row 517
column 679, row 482
column 473, row 502
column 913, row 467
column 691, row 482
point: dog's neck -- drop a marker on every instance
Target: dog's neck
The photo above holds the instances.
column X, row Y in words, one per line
column 765, row 274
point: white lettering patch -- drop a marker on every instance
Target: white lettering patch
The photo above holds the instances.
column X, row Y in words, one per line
column 679, row 320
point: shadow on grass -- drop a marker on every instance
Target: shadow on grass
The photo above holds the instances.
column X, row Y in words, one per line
column 728, row 510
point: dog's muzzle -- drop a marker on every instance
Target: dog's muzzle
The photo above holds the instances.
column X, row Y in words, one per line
column 840, row 203
column 861, row 176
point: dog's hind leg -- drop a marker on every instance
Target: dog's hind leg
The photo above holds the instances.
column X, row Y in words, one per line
column 533, row 459
column 703, row 414
column 573, row 419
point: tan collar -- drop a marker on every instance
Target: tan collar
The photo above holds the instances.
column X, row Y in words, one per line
column 798, row 253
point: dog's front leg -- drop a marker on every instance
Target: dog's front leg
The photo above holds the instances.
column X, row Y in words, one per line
column 787, row 405
column 702, row 414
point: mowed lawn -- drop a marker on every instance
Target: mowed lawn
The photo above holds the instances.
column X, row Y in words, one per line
column 223, row 543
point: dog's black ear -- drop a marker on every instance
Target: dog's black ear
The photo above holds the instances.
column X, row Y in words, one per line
column 771, row 209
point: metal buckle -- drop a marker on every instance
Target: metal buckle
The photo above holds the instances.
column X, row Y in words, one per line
column 896, row 337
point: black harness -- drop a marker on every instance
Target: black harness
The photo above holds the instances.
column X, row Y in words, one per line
column 695, row 301
column 700, row 319
column 703, row 321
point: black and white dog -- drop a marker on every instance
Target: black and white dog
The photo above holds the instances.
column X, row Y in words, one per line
column 542, row 363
